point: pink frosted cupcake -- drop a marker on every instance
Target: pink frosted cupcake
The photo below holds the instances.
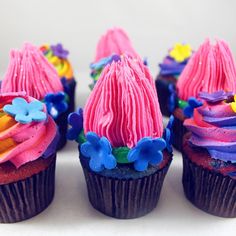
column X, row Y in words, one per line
column 111, row 45
column 29, row 71
column 210, row 69
column 122, row 151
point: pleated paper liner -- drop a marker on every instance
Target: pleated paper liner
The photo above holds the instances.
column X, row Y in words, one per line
column 26, row 198
column 124, row 198
column 209, row 190
column 179, row 129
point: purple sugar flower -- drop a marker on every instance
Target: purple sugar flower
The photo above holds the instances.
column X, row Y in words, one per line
column 216, row 96
column 59, row 51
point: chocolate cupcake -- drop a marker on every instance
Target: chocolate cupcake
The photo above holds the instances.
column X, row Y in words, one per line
column 209, row 155
column 210, row 69
column 170, row 69
column 30, row 71
column 28, row 140
column 122, row 152
column 111, row 45
column 58, row 57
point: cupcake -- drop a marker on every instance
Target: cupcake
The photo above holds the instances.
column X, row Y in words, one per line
column 209, row 155
column 122, row 150
column 28, row 140
column 58, row 57
column 170, row 69
column 30, row 71
column 210, row 69
column 111, row 45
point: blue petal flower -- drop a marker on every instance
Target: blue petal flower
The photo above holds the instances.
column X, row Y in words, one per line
column 56, row 103
column 99, row 151
column 168, row 134
column 75, row 120
column 192, row 103
column 25, row 112
column 147, row 151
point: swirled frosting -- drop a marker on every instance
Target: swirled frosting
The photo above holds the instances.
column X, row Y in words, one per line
column 210, row 69
column 22, row 143
column 114, row 41
column 60, row 62
column 213, row 127
column 123, row 105
column 30, row 71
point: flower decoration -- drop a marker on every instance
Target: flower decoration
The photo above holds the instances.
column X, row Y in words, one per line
column 168, row 134
column 99, row 151
column 181, row 52
column 147, row 151
column 233, row 104
column 56, row 103
column 59, row 51
column 65, row 85
column 75, row 120
column 172, row 102
column 192, row 103
column 216, row 96
column 25, row 112
column 104, row 61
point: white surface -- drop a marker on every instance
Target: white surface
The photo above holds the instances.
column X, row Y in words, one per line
column 153, row 26
column 71, row 213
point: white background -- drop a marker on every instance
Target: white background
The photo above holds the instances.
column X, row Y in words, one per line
column 153, row 27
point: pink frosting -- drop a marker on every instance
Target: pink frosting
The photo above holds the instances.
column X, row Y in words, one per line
column 32, row 139
column 30, row 71
column 115, row 41
column 123, row 105
column 211, row 68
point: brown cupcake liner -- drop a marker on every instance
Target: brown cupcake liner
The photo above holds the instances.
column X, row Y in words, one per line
column 26, row 198
column 208, row 190
column 179, row 131
column 124, row 198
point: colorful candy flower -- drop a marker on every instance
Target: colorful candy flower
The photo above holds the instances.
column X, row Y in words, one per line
column 25, row 112
column 181, row 52
column 147, row 151
column 99, row 151
column 75, row 120
column 59, row 51
column 216, row 96
column 56, row 103
column 192, row 103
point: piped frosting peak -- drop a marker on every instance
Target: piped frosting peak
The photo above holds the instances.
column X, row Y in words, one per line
column 123, row 105
column 30, row 71
column 210, row 69
column 114, row 41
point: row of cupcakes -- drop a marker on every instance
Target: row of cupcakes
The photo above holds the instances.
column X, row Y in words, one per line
column 124, row 150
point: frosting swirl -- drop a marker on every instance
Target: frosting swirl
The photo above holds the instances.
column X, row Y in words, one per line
column 213, row 127
column 211, row 68
column 30, row 71
column 21, row 143
column 57, row 56
column 123, row 105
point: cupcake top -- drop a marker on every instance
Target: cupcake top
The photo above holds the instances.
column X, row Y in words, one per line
column 113, row 43
column 26, row 131
column 122, row 119
column 213, row 125
column 29, row 71
column 177, row 58
column 58, row 57
column 210, row 69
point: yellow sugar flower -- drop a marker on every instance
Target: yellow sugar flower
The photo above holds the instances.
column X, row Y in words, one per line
column 181, row 52
column 233, row 104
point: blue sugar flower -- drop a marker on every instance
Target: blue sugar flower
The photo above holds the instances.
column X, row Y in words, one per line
column 216, row 96
column 25, row 112
column 75, row 120
column 99, row 151
column 192, row 103
column 147, row 151
column 168, row 134
column 172, row 102
column 59, row 51
column 56, row 103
